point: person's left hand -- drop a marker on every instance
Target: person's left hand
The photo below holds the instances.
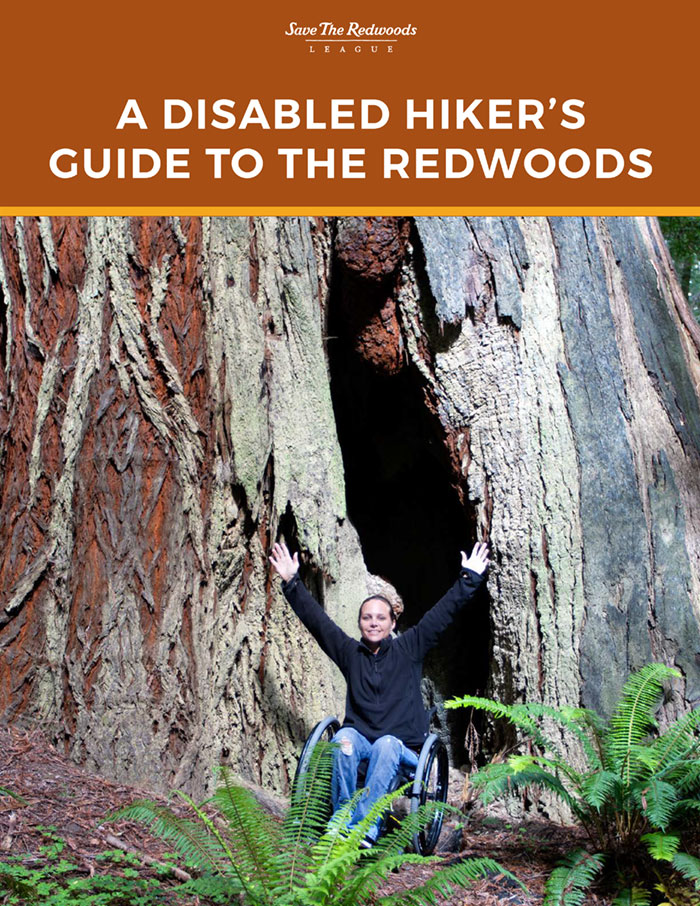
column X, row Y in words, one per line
column 478, row 561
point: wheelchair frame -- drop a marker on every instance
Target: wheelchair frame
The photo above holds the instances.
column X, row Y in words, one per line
column 430, row 779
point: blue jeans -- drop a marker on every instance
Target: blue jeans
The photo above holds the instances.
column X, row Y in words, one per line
column 384, row 757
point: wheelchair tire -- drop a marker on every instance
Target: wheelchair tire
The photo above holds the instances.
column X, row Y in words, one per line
column 324, row 729
column 430, row 785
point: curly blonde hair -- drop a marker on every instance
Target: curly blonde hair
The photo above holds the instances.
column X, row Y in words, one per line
column 379, row 587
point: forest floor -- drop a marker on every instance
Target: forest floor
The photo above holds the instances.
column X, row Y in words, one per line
column 62, row 818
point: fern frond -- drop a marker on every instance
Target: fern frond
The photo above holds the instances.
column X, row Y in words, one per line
column 682, row 772
column 401, row 837
column 632, row 896
column 336, row 869
column 365, row 881
column 688, row 782
column 555, row 766
column 580, row 722
column 351, row 836
column 253, row 836
column 310, row 807
column 332, row 875
column 568, row 883
column 688, row 866
column 253, row 885
column 656, row 799
column 353, row 873
column 662, row 847
column 337, row 834
column 633, row 717
column 380, row 807
column 213, row 887
column 599, row 787
column 305, row 821
column 5, row 792
column 678, row 740
column 687, row 805
column 495, row 780
column 518, row 715
column 444, row 882
column 193, row 840
column 332, row 858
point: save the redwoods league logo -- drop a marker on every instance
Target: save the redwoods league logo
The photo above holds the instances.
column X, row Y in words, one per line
column 351, row 37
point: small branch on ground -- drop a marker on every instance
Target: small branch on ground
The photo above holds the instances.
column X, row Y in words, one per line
column 146, row 860
column 11, row 828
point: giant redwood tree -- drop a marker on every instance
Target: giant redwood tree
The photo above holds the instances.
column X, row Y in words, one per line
column 174, row 393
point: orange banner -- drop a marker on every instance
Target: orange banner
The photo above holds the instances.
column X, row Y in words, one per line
column 143, row 107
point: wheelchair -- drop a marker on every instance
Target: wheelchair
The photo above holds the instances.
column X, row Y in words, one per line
column 429, row 780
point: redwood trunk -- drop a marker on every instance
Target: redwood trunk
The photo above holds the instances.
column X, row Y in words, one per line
column 175, row 392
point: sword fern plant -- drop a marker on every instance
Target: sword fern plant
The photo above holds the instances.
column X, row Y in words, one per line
column 638, row 790
column 304, row 860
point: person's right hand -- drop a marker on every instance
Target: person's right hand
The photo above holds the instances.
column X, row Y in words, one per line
column 284, row 563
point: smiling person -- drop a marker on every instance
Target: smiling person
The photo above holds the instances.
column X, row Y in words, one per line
column 385, row 720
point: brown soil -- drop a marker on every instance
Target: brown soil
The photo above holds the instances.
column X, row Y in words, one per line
column 61, row 795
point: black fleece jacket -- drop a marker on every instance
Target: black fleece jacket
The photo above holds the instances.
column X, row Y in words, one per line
column 383, row 694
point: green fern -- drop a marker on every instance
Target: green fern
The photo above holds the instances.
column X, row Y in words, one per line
column 496, row 780
column 688, row 783
column 633, row 718
column 662, row 847
column 444, row 882
column 5, row 792
column 307, row 816
column 568, row 883
column 688, row 806
column 637, row 792
column 632, row 896
column 306, row 860
column 251, row 842
column 678, row 741
column 193, row 839
column 585, row 725
column 518, row 715
column 656, row 799
column 689, row 867
column 599, row 787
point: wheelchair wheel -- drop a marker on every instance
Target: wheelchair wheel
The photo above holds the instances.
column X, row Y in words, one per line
column 430, row 785
column 324, row 729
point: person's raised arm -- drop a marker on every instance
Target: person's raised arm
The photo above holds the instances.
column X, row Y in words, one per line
column 421, row 637
column 330, row 637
